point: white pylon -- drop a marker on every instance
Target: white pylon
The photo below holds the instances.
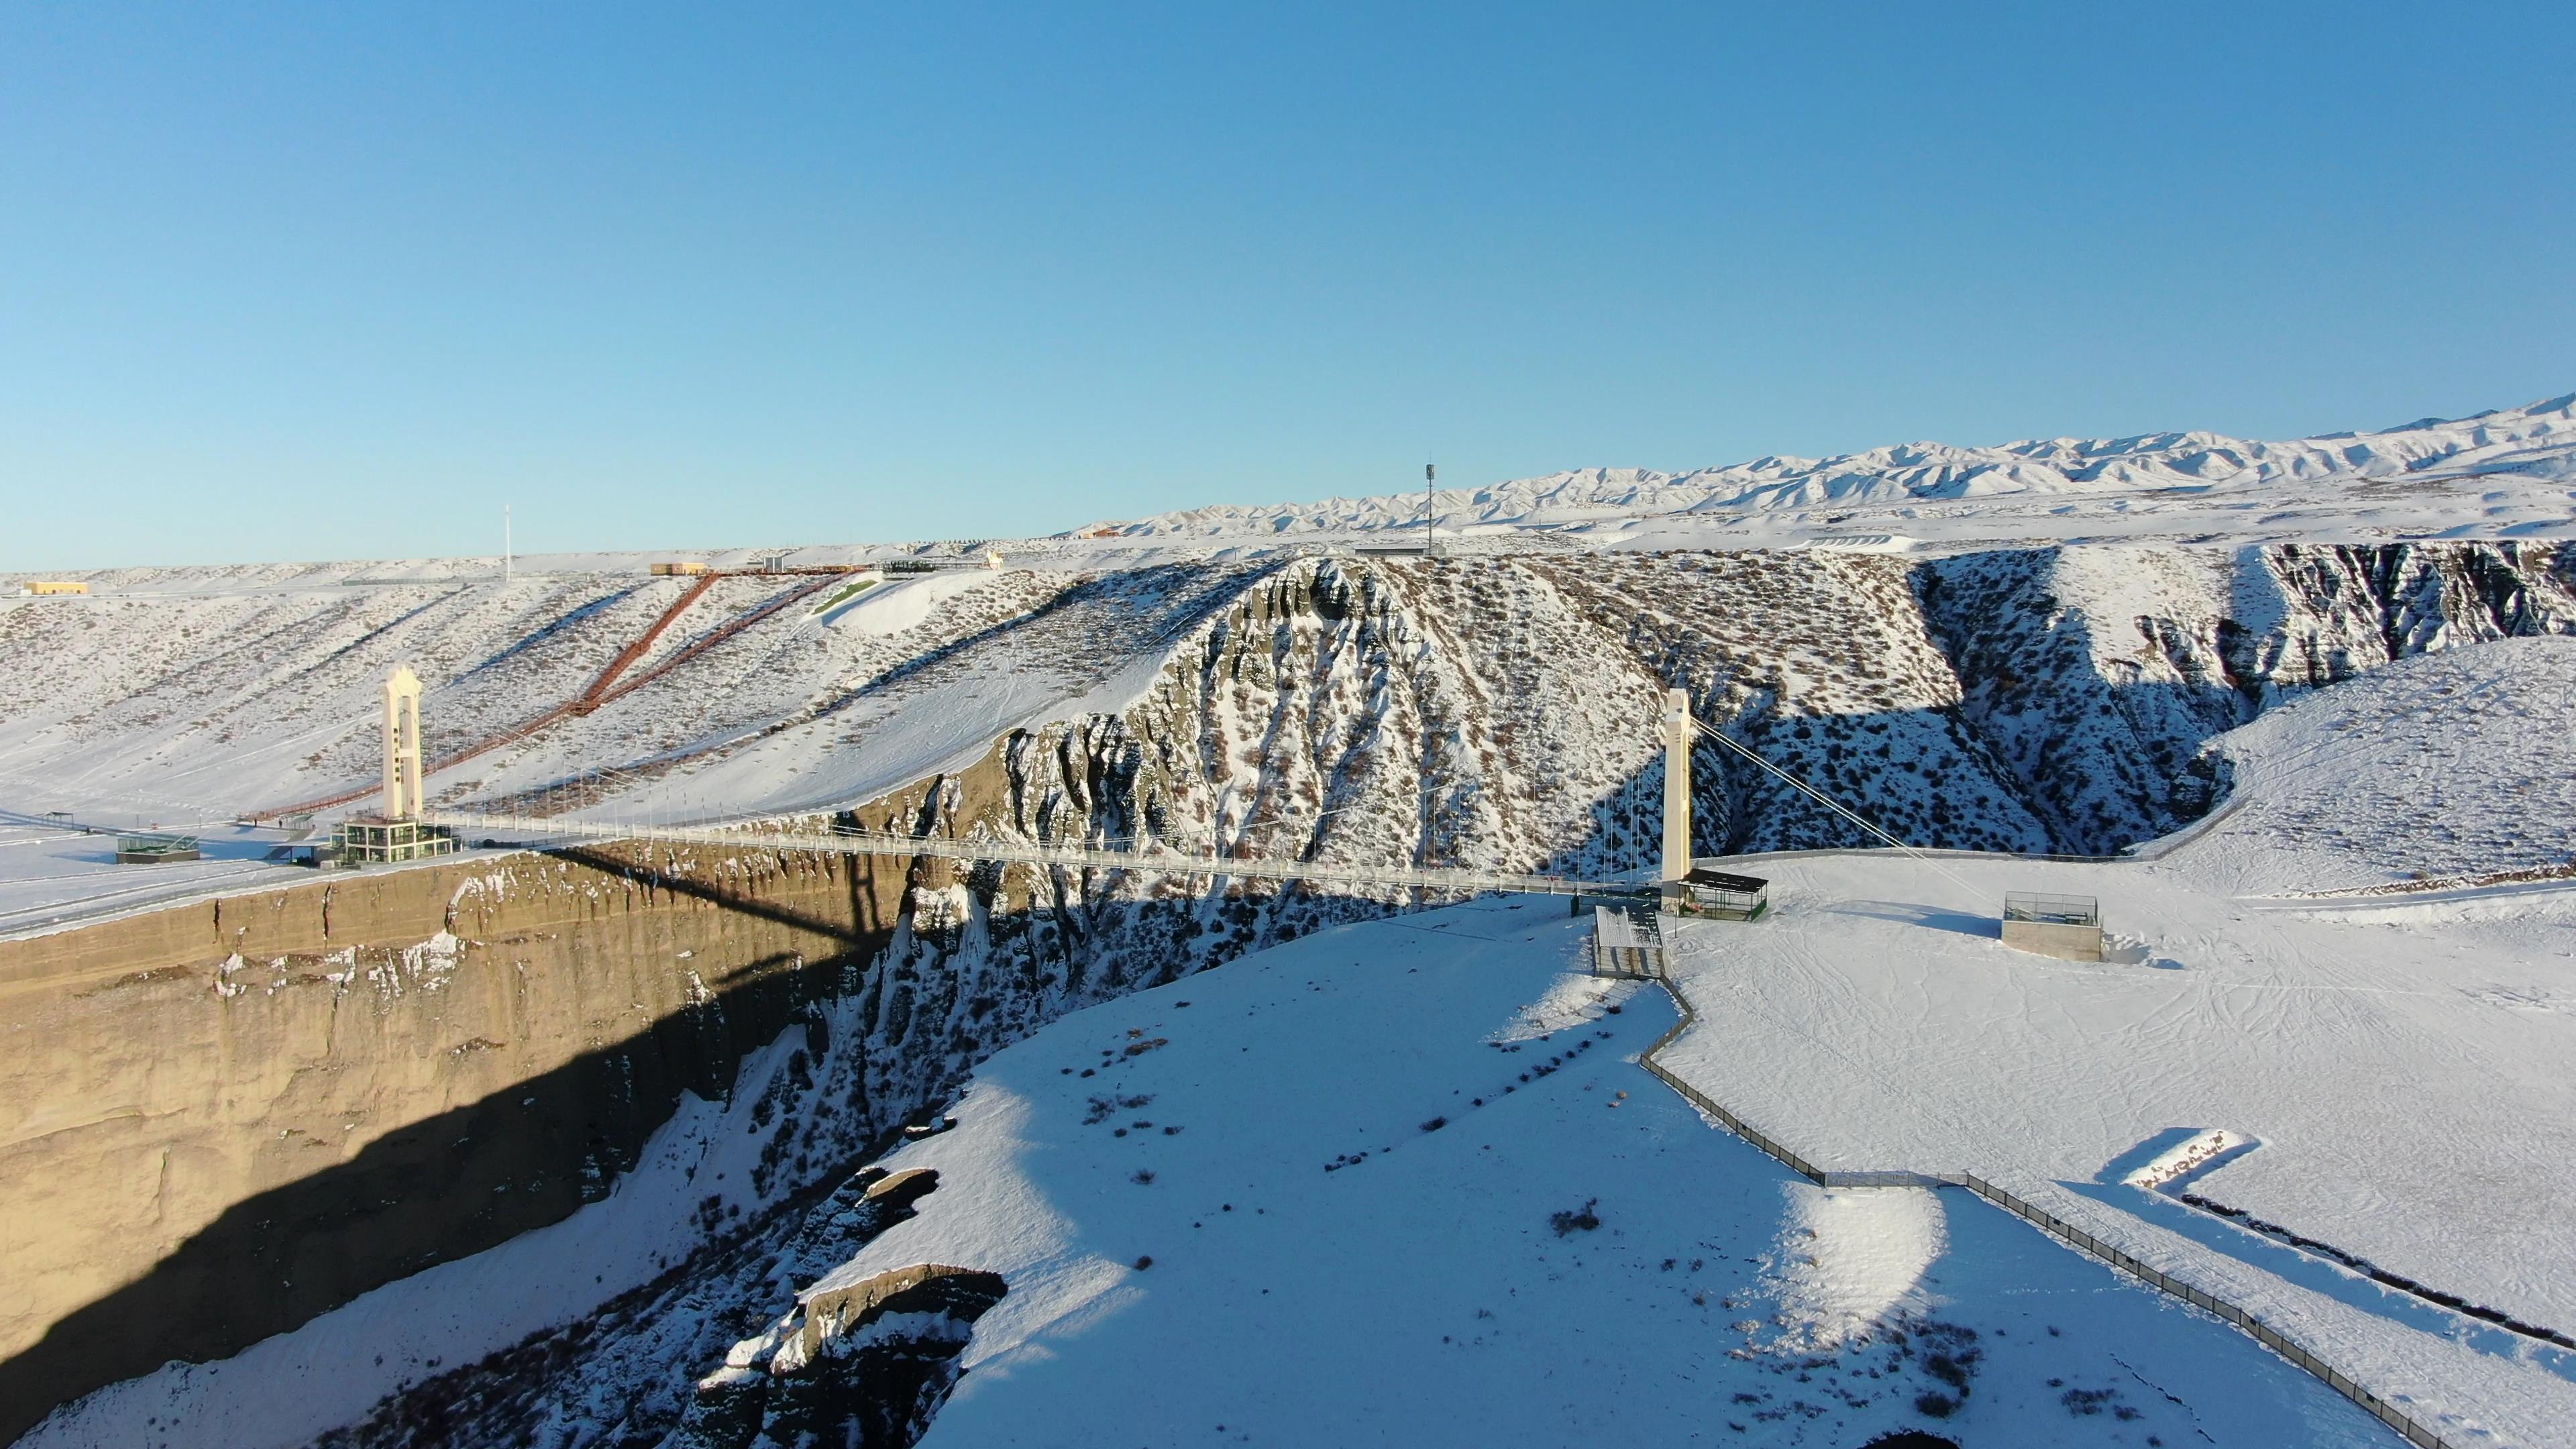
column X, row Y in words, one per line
column 1677, row 785
column 403, row 794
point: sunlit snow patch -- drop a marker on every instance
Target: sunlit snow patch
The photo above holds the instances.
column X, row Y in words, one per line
column 1570, row 1000
column 1848, row 1260
column 892, row 608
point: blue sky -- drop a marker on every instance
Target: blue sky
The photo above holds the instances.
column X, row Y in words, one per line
column 283, row 282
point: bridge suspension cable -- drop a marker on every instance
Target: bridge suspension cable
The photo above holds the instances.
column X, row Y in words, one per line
column 1821, row 798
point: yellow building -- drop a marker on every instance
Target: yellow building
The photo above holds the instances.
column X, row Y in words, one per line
column 58, row 586
column 682, row 566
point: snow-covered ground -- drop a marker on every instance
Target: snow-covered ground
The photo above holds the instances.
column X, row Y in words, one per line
column 50, row 874
column 2397, row 1061
column 1404, row 1183
column 2359, row 969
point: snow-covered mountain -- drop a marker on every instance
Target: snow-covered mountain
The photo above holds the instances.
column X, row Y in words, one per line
column 1230, row 683
column 2534, row 443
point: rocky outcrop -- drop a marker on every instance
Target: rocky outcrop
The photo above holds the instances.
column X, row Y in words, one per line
column 2095, row 674
column 866, row 1365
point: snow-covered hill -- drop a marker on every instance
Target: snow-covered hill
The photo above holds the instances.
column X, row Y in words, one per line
column 2445, row 771
column 2374, row 702
column 2498, row 471
column 1482, row 711
column 1405, row 1184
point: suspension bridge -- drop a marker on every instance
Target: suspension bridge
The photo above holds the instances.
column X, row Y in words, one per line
column 408, row 828
column 551, row 830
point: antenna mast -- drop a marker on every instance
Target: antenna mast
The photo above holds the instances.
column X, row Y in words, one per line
column 505, row 543
column 1428, row 531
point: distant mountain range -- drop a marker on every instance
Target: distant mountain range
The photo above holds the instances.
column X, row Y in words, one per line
column 2534, row 443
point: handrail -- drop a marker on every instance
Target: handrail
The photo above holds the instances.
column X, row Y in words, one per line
column 589, row 699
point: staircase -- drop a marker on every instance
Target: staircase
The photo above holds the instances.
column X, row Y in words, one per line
column 1628, row 942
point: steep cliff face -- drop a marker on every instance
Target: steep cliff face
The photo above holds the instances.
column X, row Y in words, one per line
column 1354, row 713
column 248, row 1114
column 1824, row 665
column 2095, row 674
column 232, row 1118
column 225, row 1119
column 1495, row 711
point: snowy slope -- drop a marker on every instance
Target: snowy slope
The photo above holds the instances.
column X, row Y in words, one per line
column 192, row 706
column 1403, row 1184
column 2443, row 768
column 2398, row 1059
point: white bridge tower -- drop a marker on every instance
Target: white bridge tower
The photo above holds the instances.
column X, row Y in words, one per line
column 403, row 794
column 1677, row 788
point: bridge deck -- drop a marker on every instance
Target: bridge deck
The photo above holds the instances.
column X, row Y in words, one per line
column 532, row 829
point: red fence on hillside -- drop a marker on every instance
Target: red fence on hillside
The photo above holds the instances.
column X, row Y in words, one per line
column 610, row 684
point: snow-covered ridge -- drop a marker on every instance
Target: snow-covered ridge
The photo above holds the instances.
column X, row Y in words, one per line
column 2536, row 442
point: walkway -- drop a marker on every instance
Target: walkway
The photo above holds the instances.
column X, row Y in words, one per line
column 536, row 829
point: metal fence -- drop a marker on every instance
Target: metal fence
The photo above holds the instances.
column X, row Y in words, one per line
column 2411, row 1429
column 2272, row 1338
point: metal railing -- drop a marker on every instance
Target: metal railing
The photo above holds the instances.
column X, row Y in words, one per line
column 2411, row 1429
column 2051, row 910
